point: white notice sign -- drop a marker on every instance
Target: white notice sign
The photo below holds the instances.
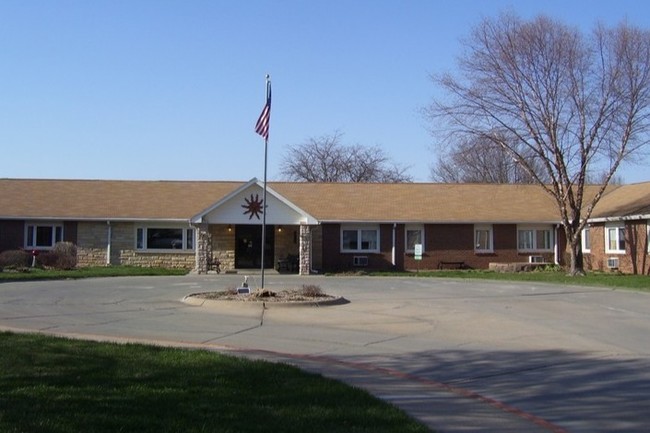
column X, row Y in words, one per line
column 418, row 252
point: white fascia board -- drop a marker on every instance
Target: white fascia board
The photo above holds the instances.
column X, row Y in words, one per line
column 98, row 219
column 619, row 218
column 198, row 218
column 435, row 222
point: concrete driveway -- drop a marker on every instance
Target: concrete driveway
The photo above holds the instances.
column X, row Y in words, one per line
column 460, row 355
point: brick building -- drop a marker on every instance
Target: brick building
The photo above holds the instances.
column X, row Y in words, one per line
column 319, row 227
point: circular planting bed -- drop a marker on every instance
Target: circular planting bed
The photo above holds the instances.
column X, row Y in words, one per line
column 308, row 295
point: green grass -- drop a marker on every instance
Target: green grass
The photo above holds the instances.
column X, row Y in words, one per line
column 57, row 385
column 598, row 279
column 91, row 272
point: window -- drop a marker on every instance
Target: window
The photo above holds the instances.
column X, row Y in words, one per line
column 164, row 238
column 483, row 238
column 43, row 235
column 586, row 240
column 354, row 239
column 414, row 235
column 615, row 239
column 535, row 238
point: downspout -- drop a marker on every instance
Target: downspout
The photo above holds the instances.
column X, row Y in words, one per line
column 109, row 243
column 393, row 258
column 556, row 250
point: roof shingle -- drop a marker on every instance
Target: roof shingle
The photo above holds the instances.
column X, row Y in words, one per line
column 327, row 202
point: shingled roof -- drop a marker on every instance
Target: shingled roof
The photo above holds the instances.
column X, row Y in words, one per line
column 107, row 199
column 327, row 202
column 631, row 200
column 421, row 202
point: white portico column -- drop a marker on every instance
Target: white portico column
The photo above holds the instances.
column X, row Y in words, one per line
column 304, row 265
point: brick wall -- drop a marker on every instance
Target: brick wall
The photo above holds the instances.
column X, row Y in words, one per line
column 317, row 247
column 442, row 243
column 635, row 260
column 12, row 234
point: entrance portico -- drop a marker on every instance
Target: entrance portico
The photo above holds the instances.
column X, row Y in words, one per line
column 231, row 231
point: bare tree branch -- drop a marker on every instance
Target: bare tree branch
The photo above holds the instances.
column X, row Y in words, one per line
column 326, row 159
column 560, row 103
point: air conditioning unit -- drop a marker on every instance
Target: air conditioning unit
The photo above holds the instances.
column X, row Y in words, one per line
column 536, row 259
column 612, row 262
column 360, row 261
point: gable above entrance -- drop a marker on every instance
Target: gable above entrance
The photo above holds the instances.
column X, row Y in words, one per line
column 245, row 205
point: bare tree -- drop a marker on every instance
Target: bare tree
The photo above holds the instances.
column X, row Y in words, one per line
column 326, row 159
column 478, row 160
column 575, row 101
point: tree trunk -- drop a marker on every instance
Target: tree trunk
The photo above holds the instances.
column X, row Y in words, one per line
column 577, row 262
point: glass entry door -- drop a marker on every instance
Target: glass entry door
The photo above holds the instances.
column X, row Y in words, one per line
column 248, row 246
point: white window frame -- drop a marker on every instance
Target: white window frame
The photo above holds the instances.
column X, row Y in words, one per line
column 618, row 229
column 481, row 228
column 188, row 234
column 31, row 234
column 413, row 228
column 534, row 229
column 360, row 229
column 586, row 240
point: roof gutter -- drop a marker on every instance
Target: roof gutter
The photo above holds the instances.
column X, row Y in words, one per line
column 94, row 219
column 435, row 222
column 619, row 218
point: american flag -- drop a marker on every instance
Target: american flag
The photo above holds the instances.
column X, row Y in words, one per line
column 262, row 125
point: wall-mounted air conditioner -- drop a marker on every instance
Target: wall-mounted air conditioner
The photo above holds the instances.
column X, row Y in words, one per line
column 360, row 261
column 536, row 259
column 612, row 262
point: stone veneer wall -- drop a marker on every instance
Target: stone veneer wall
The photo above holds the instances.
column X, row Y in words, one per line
column 183, row 260
column 305, row 250
column 223, row 245
column 92, row 241
column 202, row 243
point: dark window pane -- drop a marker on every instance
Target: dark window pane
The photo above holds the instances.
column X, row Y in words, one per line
column 164, row 239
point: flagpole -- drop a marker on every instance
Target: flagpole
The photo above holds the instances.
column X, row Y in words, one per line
column 266, row 146
column 264, row 207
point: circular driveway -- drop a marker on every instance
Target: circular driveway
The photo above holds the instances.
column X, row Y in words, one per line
column 460, row 355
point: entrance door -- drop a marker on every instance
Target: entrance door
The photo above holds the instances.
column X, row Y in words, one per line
column 248, row 246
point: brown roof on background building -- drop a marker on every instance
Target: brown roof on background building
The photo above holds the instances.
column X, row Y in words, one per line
column 403, row 202
column 628, row 200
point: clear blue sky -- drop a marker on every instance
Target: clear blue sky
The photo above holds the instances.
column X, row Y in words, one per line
column 171, row 89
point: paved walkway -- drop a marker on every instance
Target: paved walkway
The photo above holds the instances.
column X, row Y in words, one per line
column 462, row 356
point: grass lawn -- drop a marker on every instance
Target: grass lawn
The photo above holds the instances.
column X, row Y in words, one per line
column 100, row 271
column 56, row 385
column 601, row 279
column 598, row 279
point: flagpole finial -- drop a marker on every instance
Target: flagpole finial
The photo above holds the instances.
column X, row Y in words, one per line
column 268, row 77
